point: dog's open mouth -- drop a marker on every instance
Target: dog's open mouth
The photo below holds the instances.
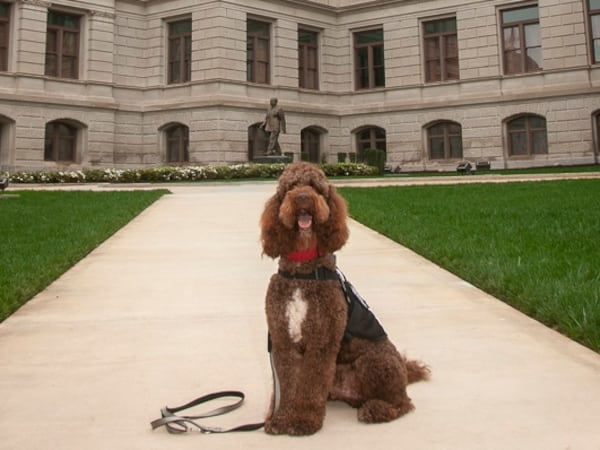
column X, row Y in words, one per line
column 304, row 220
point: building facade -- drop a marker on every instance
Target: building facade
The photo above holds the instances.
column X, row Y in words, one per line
column 133, row 83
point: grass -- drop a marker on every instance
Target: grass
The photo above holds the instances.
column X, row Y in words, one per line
column 44, row 233
column 527, row 171
column 533, row 245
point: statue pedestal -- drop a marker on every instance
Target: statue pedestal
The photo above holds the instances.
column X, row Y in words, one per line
column 272, row 159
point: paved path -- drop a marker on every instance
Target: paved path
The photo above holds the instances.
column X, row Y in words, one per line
column 171, row 307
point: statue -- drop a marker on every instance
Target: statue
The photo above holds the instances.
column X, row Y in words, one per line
column 274, row 124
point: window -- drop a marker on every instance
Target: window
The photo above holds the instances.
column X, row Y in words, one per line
column 258, row 141
column 527, row 136
column 594, row 14
column 369, row 59
column 596, row 124
column 60, row 142
column 178, row 144
column 310, row 141
column 522, row 46
column 257, row 51
column 308, row 59
column 2, row 146
column 445, row 140
column 180, row 51
column 372, row 137
column 7, row 146
column 62, row 45
column 441, row 50
column 4, row 35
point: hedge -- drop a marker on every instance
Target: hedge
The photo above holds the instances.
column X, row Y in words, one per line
column 180, row 173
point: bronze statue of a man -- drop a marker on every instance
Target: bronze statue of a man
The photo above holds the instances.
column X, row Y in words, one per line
column 274, row 124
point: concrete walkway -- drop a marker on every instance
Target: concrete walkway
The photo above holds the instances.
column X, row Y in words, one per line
column 171, row 307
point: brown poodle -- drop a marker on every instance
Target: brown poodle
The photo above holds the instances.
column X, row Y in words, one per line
column 314, row 356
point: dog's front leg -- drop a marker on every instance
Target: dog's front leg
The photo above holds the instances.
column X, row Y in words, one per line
column 286, row 362
column 304, row 381
column 306, row 330
column 315, row 382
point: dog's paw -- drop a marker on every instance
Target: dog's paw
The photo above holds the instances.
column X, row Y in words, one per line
column 297, row 427
column 271, row 427
column 378, row 411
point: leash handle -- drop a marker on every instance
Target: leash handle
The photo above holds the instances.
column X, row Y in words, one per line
column 182, row 424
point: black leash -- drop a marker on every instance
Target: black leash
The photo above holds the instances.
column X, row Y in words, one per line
column 182, row 424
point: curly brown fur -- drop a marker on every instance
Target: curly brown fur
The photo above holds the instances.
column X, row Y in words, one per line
column 330, row 229
column 303, row 224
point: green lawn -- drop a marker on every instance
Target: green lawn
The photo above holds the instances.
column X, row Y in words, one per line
column 44, row 233
column 533, row 245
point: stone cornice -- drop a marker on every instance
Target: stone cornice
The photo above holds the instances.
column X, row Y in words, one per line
column 106, row 14
column 40, row 3
column 313, row 5
column 47, row 5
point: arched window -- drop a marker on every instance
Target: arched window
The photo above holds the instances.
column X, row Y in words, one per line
column 178, row 143
column 60, row 142
column 310, row 141
column 7, row 142
column 3, row 138
column 444, row 140
column 527, row 135
column 258, row 141
column 369, row 137
column 596, row 131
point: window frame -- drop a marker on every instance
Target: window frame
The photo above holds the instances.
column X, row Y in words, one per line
column 596, row 132
column 446, row 136
column 441, row 39
column 373, row 141
column 529, row 131
column 179, row 60
column 594, row 40
column 258, row 141
column 310, row 144
column 52, row 149
column 253, row 40
column 182, row 143
column 372, row 70
column 60, row 52
column 305, row 50
column 5, row 24
column 523, row 49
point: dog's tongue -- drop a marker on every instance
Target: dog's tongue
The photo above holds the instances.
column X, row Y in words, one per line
column 304, row 221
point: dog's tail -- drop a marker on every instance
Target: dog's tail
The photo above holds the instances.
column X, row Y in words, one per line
column 416, row 371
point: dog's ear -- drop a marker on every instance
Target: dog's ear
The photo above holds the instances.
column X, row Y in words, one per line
column 270, row 228
column 334, row 233
column 286, row 212
column 321, row 209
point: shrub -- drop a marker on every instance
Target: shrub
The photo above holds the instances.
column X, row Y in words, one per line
column 348, row 169
column 184, row 173
column 376, row 158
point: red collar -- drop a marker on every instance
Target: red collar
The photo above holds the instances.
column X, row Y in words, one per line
column 303, row 255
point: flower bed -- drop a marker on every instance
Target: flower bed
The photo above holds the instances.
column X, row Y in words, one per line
column 183, row 173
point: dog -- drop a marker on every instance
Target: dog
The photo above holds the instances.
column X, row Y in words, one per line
column 313, row 358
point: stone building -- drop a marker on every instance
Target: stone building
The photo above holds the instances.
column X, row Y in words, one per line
column 131, row 83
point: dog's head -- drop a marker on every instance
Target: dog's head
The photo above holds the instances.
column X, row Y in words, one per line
column 305, row 213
